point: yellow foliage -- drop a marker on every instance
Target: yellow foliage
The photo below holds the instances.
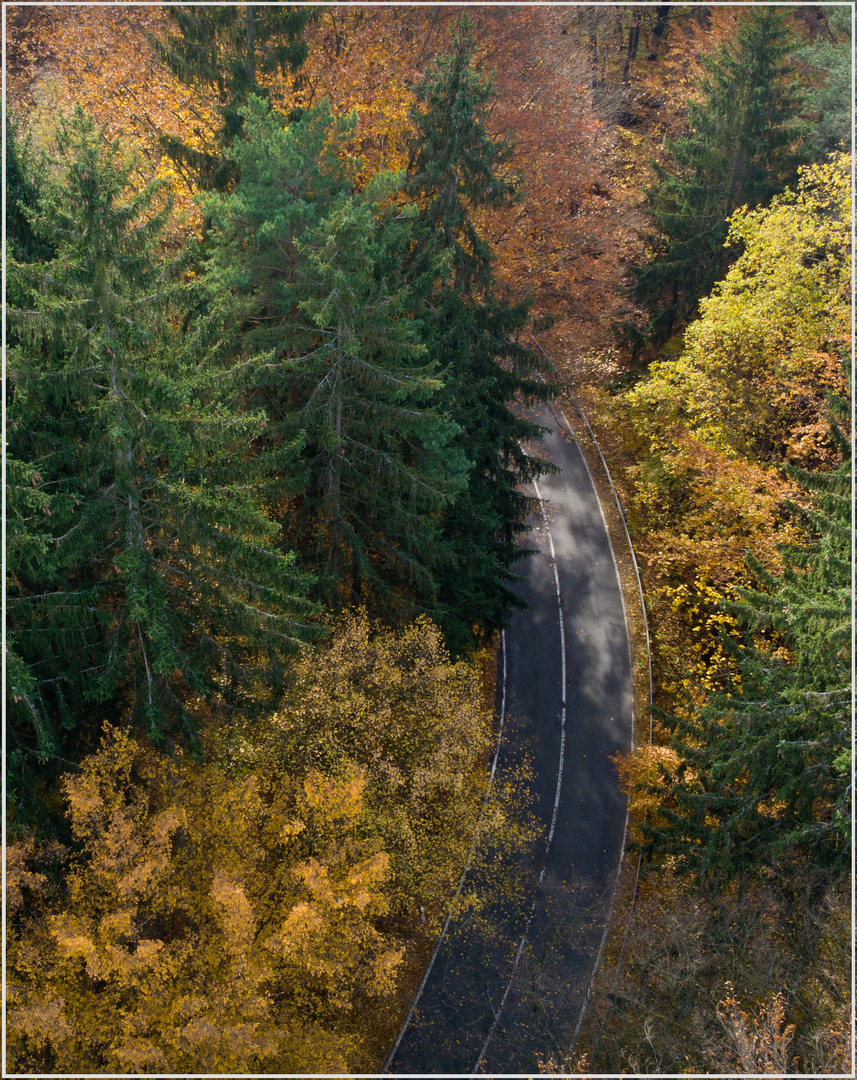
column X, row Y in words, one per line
column 18, row 877
column 714, row 425
column 340, row 800
column 752, row 377
column 193, row 934
column 385, row 717
column 227, row 917
column 641, row 777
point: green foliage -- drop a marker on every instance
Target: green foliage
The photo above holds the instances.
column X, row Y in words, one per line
column 142, row 576
column 761, row 776
column 473, row 332
column 21, row 198
column 224, row 49
column 744, row 146
column 829, row 58
column 318, row 283
column 454, row 161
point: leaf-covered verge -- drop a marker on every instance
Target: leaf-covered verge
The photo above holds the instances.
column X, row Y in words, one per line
column 589, row 98
column 742, row 807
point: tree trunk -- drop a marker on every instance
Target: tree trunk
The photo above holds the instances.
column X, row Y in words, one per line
column 661, row 23
column 251, row 47
column 592, row 29
column 336, row 483
column 633, row 42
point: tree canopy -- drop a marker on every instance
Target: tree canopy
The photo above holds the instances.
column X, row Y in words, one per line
column 278, row 283
column 141, row 576
column 764, row 768
column 745, row 143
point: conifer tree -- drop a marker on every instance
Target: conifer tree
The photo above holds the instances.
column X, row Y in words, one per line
column 21, row 196
column 829, row 59
column 455, row 163
column 224, row 48
column 745, row 143
column 155, row 578
column 456, row 166
column 765, row 766
column 316, row 275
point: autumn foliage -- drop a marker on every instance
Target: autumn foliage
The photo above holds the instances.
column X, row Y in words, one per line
column 248, row 913
column 255, row 883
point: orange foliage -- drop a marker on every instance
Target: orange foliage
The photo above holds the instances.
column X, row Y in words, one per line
column 238, row 914
column 199, row 931
column 641, row 777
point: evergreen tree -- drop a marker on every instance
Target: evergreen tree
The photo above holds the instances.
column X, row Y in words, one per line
column 473, row 332
column 315, row 272
column 21, row 197
column 224, row 48
column 765, row 767
column 145, row 575
column 455, row 163
column 745, row 144
column 829, row 59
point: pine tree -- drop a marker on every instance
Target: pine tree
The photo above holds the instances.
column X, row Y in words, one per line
column 455, row 167
column 765, row 767
column 156, row 579
column 316, row 276
column 21, row 196
column 745, row 144
column 224, row 49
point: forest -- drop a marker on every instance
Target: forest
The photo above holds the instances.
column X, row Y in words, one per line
column 280, row 281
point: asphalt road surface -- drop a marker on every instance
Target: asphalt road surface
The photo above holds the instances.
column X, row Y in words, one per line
column 506, row 989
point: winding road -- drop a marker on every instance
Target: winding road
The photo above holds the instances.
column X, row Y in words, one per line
column 506, row 990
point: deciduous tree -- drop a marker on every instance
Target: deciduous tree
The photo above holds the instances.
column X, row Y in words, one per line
column 251, row 913
column 752, row 377
column 205, row 924
column 764, row 767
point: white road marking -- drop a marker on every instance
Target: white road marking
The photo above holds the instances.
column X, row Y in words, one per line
column 532, row 911
column 609, row 918
column 427, row 972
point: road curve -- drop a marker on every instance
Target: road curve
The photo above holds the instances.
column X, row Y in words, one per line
column 507, row 990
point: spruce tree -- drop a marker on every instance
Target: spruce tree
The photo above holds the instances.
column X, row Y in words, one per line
column 21, row 197
column 224, row 48
column 315, row 274
column 456, row 166
column 765, row 767
column 829, row 58
column 745, row 143
column 455, row 163
column 146, row 576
